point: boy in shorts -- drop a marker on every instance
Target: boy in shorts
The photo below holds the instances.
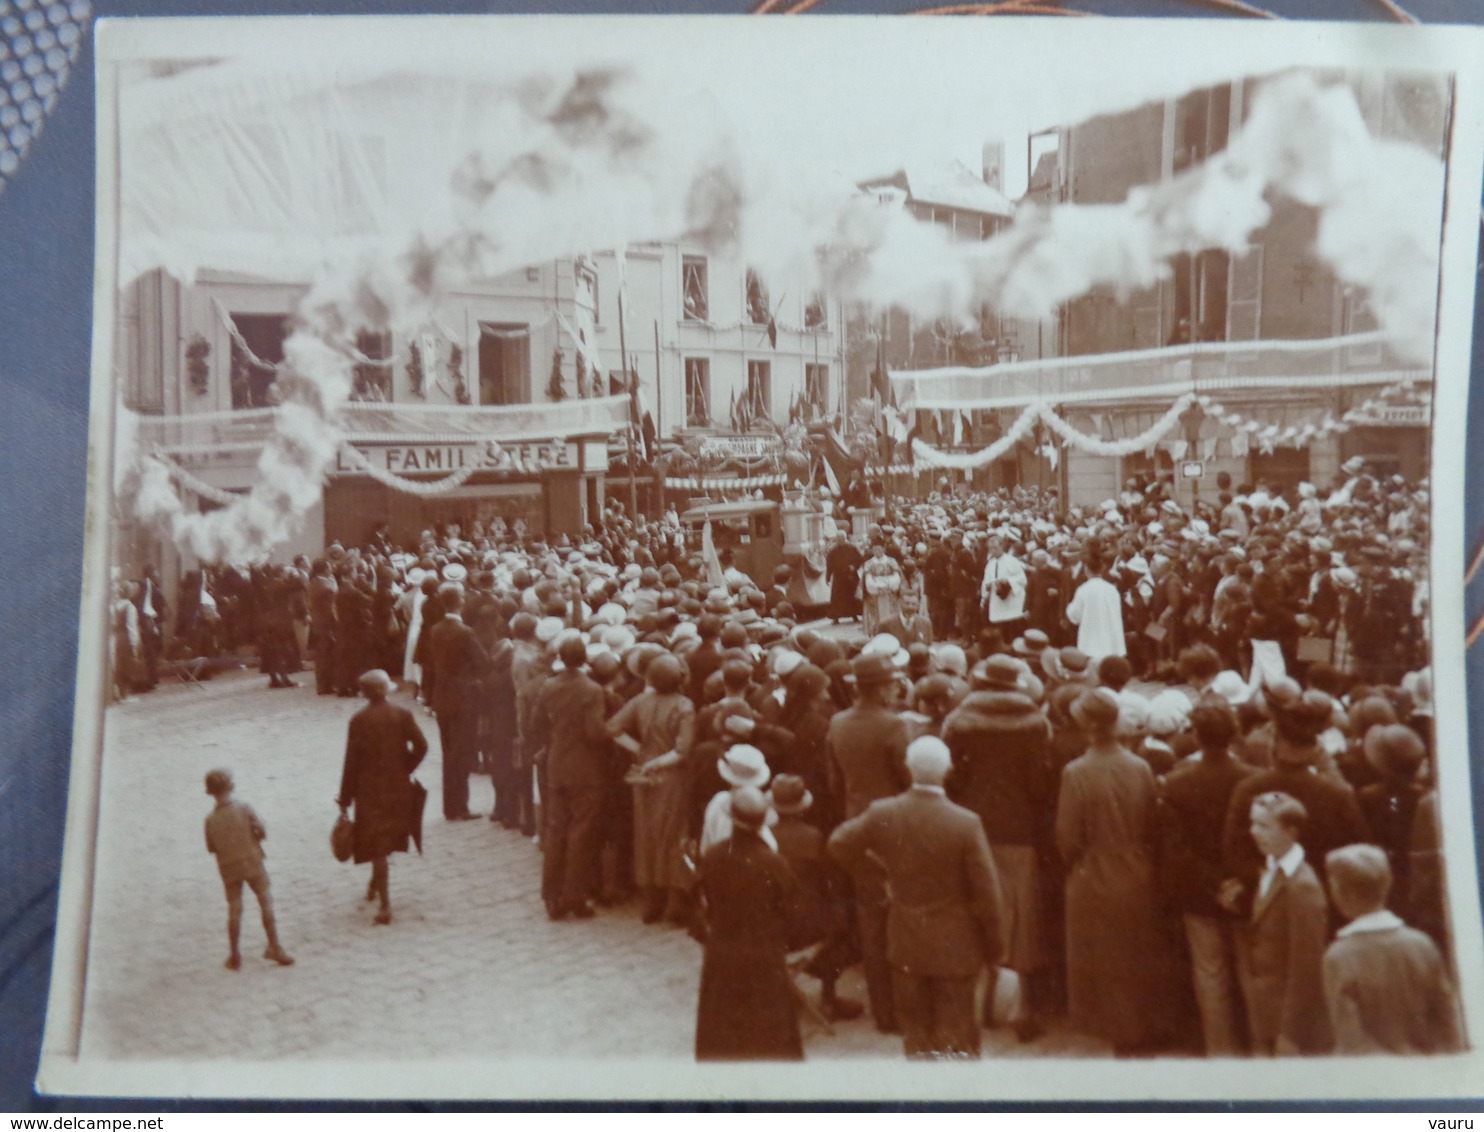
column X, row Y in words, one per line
column 234, row 834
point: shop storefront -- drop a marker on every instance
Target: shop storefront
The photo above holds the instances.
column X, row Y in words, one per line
column 544, row 486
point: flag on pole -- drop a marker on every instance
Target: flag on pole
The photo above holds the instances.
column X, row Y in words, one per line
column 714, row 575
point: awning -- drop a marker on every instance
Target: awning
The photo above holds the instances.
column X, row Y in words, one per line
column 1160, row 374
column 408, row 423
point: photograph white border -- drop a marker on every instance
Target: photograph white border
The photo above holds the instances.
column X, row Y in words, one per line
column 1459, row 50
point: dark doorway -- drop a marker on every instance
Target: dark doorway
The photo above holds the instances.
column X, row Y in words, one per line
column 504, row 363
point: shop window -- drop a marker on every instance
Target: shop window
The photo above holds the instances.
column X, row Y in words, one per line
column 693, row 288
column 504, row 363
column 1282, row 469
column 254, row 373
column 816, row 314
column 758, row 310
column 760, row 389
column 697, row 392
column 817, row 388
column 372, row 382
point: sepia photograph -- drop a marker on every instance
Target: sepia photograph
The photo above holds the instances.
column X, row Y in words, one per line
column 675, row 557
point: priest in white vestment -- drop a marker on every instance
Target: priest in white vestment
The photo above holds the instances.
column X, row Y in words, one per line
column 1097, row 611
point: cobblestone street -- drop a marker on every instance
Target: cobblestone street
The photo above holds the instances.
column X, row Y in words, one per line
column 471, row 967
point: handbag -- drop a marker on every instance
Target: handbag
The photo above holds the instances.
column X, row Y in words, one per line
column 342, row 838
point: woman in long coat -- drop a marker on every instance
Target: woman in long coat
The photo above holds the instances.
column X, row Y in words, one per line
column 747, row 1008
column 1105, row 831
column 383, row 747
column 657, row 729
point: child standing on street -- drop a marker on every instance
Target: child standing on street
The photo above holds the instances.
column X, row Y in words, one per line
column 235, row 834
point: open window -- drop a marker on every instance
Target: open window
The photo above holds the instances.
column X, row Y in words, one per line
column 693, row 292
column 760, row 389
column 817, row 388
column 369, row 381
column 697, row 392
column 758, row 310
column 254, row 372
column 504, row 363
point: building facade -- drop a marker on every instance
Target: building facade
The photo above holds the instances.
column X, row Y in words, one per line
column 515, row 388
column 1278, row 291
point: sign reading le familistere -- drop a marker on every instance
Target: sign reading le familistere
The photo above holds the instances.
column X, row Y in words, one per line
column 482, row 455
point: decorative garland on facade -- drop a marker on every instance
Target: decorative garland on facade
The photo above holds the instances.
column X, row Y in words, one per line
column 1040, row 411
column 192, row 482
column 1270, row 436
column 714, row 483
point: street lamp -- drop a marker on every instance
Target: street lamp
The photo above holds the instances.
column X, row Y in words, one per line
column 1191, row 421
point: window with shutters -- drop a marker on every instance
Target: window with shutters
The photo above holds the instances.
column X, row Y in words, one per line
column 697, row 306
column 1244, row 297
column 1359, row 318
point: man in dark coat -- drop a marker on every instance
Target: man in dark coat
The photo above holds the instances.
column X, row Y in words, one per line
column 908, row 625
column 459, row 667
column 935, row 572
column 945, row 922
column 1197, row 795
column 747, row 1008
column 998, row 739
column 964, row 574
column 842, row 570
column 383, row 747
column 867, row 748
column 570, row 724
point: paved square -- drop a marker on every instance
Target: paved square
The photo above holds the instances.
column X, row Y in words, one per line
column 471, row 967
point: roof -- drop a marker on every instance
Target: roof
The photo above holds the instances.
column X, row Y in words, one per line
column 951, row 184
column 730, row 510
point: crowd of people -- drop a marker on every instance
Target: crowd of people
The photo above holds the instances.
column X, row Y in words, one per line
column 1165, row 774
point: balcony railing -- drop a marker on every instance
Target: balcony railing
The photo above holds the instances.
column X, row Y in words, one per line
column 1205, row 367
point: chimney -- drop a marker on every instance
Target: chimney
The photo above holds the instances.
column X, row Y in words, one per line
column 994, row 165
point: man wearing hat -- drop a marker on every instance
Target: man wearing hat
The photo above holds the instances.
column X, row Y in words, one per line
column 1334, row 815
column 826, row 889
column 867, row 746
column 459, row 664
column 383, row 747
column 998, row 738
column 752, row 903
column 944, row 922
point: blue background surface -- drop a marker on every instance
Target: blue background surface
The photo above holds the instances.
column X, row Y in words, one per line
column 46, row 268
